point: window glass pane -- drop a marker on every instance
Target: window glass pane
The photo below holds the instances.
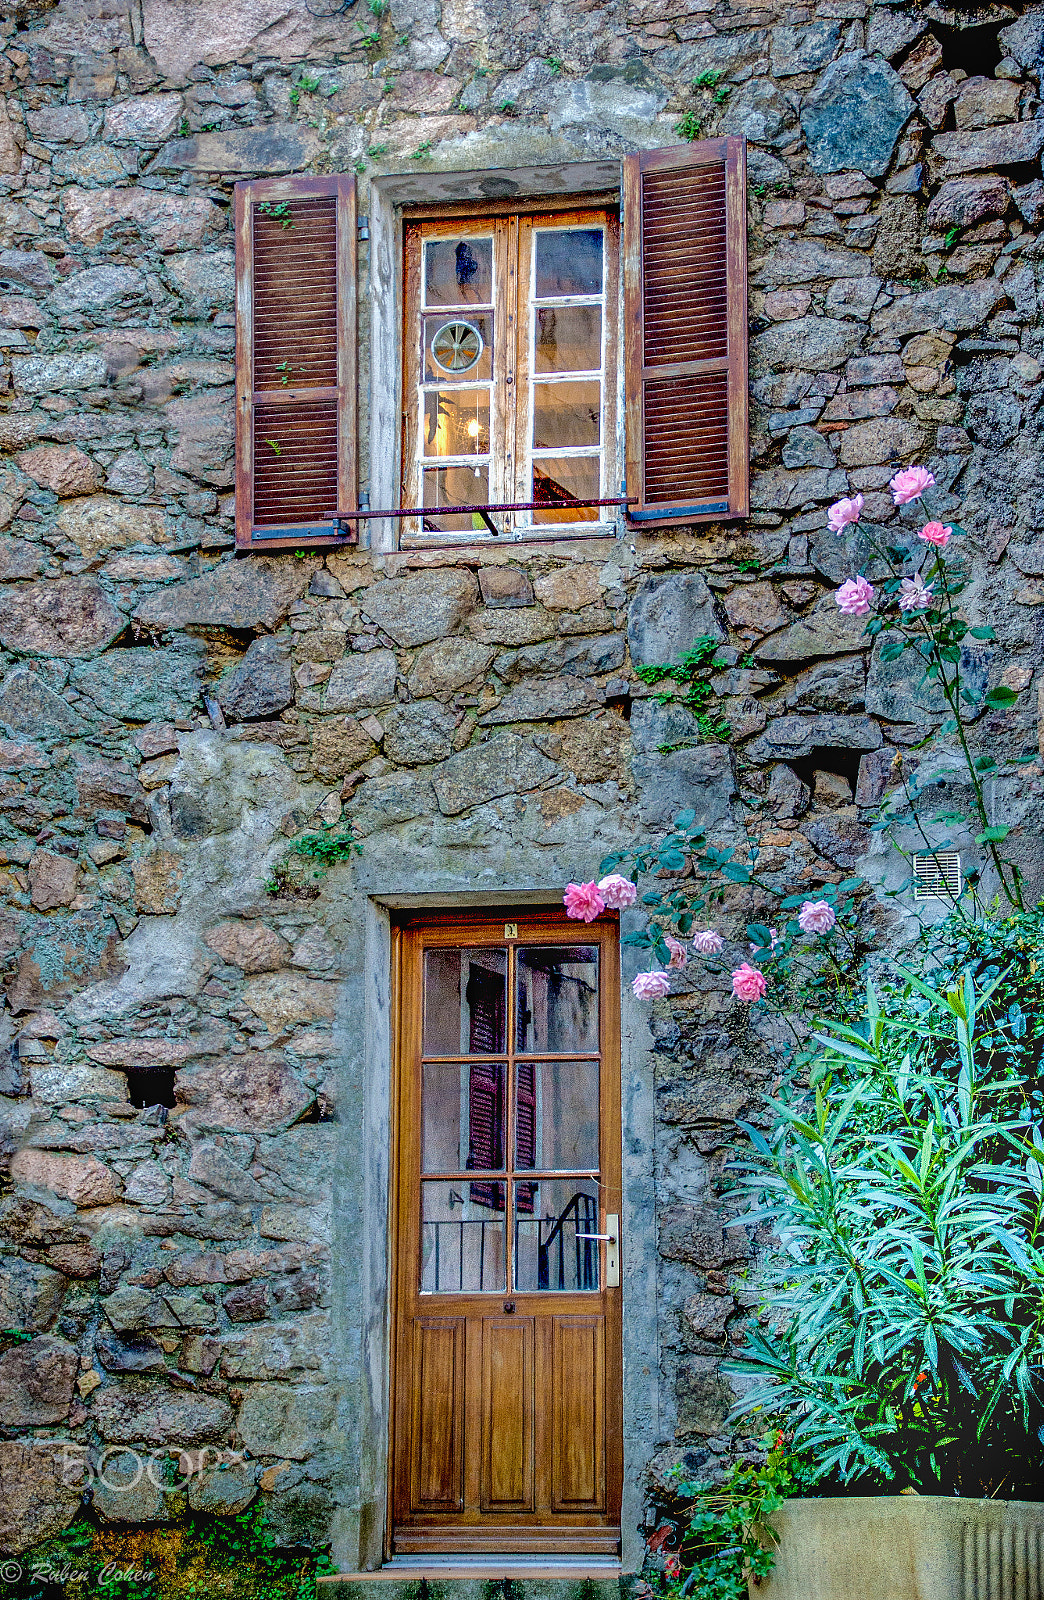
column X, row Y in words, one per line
column 458, row 347
column 456, row 486
column 462, row 1116
column 456, row 422
column 568, row 261
column 548, row 1217
column 568, row 339
column 556, row 1114
column 566, row 414
column 465, row 1002
column 458, row 272
column 463, row 1238
column 557, row 999
column 563, row 480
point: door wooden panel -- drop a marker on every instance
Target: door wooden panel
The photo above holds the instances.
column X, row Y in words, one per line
column 506, row 1431
column 507, row 1413
column 578, row 1438
column 437, row 1480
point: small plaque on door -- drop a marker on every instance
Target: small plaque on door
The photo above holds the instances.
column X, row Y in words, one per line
column 511, row 930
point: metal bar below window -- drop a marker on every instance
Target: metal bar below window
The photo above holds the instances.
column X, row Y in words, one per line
column 456, row 511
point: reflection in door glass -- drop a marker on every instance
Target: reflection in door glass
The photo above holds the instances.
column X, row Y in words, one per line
column 550, row 1219
column 556, row 1115
column 465, row 1002
column 462, row 1116
column 558, row 999
column 462, row 1238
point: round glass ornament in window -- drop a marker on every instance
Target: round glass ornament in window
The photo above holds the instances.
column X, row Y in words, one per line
column 456, row 346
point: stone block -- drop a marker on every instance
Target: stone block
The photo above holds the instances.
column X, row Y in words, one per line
column 805, row 259
column 157, row 882
column 126, row 1492
column 393, row 798
column 962, row 202
column 223, row 1491
column 363, row 681
column 339, row 746
column 19, row 559
column 142, row 684
column 59, row 124
column 824, row 631
column 882, row 439
column 144, row 119
column 261, row 685
column 791, row 737
column 986, row 102
column 129, row 1352
column 203, row 280
column 135, row 1412
column 30, row 1294
column 415, row 610
column 957, row 309
column 699, row 778
column 36, row 1382
column 84, row 1180
column 283, row 1420
column 109, row 786
column 446, row 665
column 853, row 117
column 505, row 764
column 754, row 609
column 93, row 164
column 890, row 32
column 829, row 686
column 704, row 1397
column 1014, row 145
column 41, row 1481
column 505, row 586
column 418, row 733
column 249, row 945
column 32, row 268
column 540, row 701
column 102, row 523
column 98, row 289
column 569, row 588
column 280, row 1350
column 60, row 467
column 807, row 447
column 52, row 880
column 824, row 342
column 586, row 656
column 170, row 221
column 68, row 617
column 270, row 149
column 287, row 997
column 593, row 750
column 667, row 616
column 254, row 594
column 807, row 49
column 216, row 1170
column 244, row 1093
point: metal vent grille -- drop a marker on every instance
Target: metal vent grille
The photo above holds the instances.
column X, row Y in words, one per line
column 938, row 876
column 687, row 439
column 295, row 294
column 684, row 265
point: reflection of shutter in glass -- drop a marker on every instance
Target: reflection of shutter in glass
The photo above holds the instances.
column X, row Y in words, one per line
column 485, row 997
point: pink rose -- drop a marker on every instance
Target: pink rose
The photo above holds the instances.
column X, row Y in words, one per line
column 935, row 533
column 910, row 484
column 708, row 943
column 618, row 892
column 816, row 916
column 651, row 986
column 842, row 512
column 748, row 983
column 915, row 594
column 855, row 596
column 679, row 954
column 582, row 901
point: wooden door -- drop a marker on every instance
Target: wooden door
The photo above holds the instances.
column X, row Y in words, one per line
column 507, row 1369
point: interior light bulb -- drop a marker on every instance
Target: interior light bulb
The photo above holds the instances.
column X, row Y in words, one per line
column 474, row 428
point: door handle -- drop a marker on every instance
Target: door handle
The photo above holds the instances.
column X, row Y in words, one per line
column 611, row 1237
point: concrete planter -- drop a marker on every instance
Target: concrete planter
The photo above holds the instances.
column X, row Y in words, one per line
column 907, row 1547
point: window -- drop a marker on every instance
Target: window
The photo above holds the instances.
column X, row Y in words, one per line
column 512, row 347
column 509, row 372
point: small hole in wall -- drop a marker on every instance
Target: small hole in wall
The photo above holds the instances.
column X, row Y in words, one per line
column 844, row 762
column 975, row 51
column 153, row 1086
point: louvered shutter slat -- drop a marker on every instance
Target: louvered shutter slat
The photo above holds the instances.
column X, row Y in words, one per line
column 685, row 302
column 295, row 360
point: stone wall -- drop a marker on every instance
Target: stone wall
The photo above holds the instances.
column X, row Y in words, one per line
column 172, row 718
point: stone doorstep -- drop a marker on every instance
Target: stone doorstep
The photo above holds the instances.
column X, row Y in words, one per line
column 472, row 1582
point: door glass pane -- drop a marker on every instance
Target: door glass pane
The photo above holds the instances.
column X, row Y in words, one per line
column 456, row 422
column 557, row 999
column 566, row 414
column 559, row 482
column 463, row 1116
column 548, row 1217
column 463, row 1238
column 458, row 347
column 568, row 261
column 458, row 272
column 465, row 995
column 556, row 1114
column 568, row 339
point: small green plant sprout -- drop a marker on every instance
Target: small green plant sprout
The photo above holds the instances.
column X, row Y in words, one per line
column 722, row 93
column 556, row 64
column 378, row 8
column 359, row 166
column 689, row 127
column 422, row 152
column 275, row 446
column 709, row 79
column 690, row 686
column 278, row 210
column 375, row 151
column 950, row 238
column 324, row 849
column 285, row 368
column 304, row 85
column 507, row 108
column 369, row 37
column 183, row 130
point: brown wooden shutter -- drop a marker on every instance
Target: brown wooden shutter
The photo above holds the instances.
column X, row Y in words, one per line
column 296, row 458
column 685, row 332
column 486, row 1006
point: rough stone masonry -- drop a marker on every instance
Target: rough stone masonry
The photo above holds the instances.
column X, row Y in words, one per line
column 172, row 718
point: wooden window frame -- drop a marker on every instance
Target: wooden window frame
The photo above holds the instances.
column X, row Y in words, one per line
column 273, row 191
column 513, row 225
